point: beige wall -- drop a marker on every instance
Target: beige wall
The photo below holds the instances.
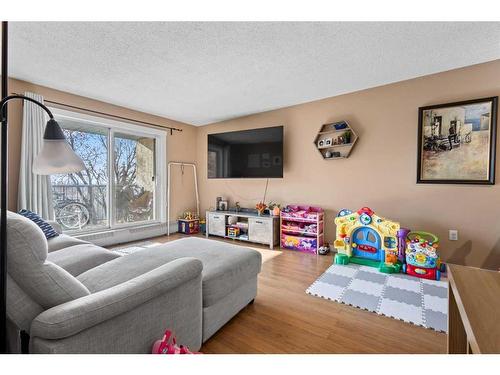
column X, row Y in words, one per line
column 179, row 145
column 381, row 171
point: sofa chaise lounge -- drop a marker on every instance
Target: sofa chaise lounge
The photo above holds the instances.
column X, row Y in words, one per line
column 70, row 296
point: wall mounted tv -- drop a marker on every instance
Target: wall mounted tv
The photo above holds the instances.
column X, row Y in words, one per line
column 256, row 153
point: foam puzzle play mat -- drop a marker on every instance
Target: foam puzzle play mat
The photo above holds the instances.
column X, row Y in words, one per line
column 419, row 301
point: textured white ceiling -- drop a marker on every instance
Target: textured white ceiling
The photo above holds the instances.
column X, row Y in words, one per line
column 199, row 72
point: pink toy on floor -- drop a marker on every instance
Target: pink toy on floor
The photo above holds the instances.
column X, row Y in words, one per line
column 168, row 345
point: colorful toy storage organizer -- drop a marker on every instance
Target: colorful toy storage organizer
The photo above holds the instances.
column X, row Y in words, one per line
column 301, row 228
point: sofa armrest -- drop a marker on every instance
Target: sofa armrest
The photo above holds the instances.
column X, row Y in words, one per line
column 57, row 227
column 72, row 317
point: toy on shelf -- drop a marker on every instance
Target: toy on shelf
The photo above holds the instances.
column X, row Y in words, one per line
column 233, row 231
column 189, row 223
column 301, row 228
column 422, row 258
column 362, row 237
column 365, row 238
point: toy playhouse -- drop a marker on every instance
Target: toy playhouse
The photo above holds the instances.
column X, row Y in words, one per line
column 362, row 237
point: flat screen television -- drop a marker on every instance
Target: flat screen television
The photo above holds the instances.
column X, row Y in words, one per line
column 256, row 153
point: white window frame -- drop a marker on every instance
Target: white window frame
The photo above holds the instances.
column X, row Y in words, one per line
column 114, row 126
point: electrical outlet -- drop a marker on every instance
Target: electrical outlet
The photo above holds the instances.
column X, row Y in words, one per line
column 453, row 235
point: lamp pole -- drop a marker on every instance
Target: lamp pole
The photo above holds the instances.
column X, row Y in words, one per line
column 3, row 197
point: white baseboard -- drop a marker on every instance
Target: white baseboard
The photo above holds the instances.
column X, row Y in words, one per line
column 123, row 235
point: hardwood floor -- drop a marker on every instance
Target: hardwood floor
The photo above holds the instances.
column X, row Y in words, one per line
column 284, row 319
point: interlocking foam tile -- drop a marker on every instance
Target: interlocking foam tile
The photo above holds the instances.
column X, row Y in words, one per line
column 327, row 291
column 367, row 287
column 414, row 300
column 373, row 277
column 436, row 320
column 361, row 300
column 409, row 285
column 403, row 296
column 348, row 271
column 402, row 311
column 436, row 290
column 334, row 279
column 435, row 303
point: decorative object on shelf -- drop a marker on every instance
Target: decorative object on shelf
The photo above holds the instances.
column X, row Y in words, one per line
column 260, row 207
column 237, row 206
column 364, row 238
column 223, row 205
column 339, row 125
column 347, row 137
column 301, row 228
column 336, row 140
column 217, row 200
column 456, row 142
column 274, row 208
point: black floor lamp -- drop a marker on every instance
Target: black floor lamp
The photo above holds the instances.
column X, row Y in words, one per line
column 56, row 156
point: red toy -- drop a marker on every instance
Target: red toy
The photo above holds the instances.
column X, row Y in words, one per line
column 422, row 258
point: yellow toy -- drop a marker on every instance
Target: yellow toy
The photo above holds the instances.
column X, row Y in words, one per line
column 364, row 238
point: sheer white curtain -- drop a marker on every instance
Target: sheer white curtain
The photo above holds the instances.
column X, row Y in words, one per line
column 35, row 191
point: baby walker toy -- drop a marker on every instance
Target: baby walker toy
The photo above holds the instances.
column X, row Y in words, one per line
column 422, row 259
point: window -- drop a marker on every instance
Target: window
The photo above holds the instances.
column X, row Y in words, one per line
column 122, row 184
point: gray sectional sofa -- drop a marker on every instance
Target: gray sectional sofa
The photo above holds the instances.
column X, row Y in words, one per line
column 70, row 296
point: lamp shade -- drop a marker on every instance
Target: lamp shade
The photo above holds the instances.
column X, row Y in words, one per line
column 56, row 155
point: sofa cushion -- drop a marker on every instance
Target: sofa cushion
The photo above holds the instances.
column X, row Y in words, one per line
column 46, row 283
column 46, row 228
column 225, row 267
column 80, row 258
column 62, row 241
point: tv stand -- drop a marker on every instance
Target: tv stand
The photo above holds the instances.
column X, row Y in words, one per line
column 250, row 226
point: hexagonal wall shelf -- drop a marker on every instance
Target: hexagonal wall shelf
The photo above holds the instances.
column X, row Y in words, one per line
column 336, row 140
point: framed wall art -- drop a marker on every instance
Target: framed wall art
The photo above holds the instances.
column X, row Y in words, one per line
column 456, row 142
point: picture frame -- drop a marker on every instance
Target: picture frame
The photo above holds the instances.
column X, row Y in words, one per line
column 457, row 142
column 223, row 205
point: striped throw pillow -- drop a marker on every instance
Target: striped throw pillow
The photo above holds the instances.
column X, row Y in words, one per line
column 46, row 228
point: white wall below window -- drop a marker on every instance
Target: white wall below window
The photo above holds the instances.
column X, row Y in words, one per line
column 123, row 235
